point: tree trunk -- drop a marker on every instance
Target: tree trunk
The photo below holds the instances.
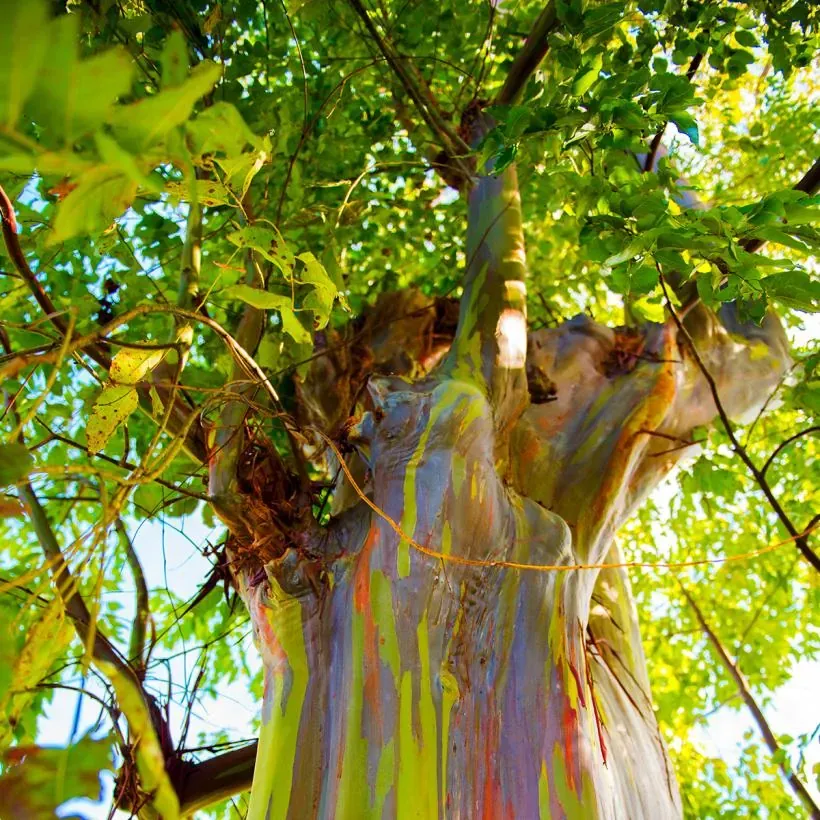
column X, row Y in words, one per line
column 429, row 653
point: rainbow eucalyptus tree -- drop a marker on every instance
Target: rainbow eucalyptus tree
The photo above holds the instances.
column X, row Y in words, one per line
column 420, row 503
column 459, row 640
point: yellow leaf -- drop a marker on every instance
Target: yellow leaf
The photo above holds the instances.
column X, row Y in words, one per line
column 114, row 405
column 131, row 365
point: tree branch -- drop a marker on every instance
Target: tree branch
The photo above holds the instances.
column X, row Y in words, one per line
column 810, row 184
column 799, row 538
column 529, row 58
column 217, row 778
column 786, row 443
column 135, row 704
column 454, row 146
column 743, row 687
column 493, row 306
column 142, row 613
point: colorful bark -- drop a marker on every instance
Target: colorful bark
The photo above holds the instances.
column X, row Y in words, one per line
column 400, row 684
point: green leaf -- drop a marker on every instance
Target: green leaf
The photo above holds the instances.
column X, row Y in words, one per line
column 116, row 157
column 266, row 241
column 602, row 18
column 102, row 194
column 220, row 129
column 258, row 298
column 746, row 38
column 131, row 365
column 45, row 641
column 206, row 192
column 293, row 327
column 113, row 407
column 174, row 59
column 795, row 289
column 272, row 301
column 15, row 463
column 687, row 125
column 74, row 97
column 48, row 163
column 320, row 299
column 141, row 125
column 39, row 779
column 634, row 247
column 779, row 237
column 584, row 82
column 24, row 40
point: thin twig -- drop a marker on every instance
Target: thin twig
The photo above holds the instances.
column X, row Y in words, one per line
column 799, row 539
column 743, row 687
column 783, row 444
column 142, row 611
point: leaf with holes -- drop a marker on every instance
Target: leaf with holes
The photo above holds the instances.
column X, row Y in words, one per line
column 131, row 365
column 113, row 407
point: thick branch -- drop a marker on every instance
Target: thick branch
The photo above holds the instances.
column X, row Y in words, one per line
column 530, row 56
column 490, row 345
column 217, row 778
column 810, row 184
column 743, row 687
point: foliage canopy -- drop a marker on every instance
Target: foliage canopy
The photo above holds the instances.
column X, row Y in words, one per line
column 146, row 146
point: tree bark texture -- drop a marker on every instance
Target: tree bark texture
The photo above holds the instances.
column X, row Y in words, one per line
column 410, row 671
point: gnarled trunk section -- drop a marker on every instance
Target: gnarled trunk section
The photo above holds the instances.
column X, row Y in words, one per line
column 443, row 648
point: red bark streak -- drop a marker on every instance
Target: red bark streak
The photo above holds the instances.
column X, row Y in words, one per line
column 492, row 803
column 570, row 726
column 575, row 674
column 361, row 588
column 362, row 604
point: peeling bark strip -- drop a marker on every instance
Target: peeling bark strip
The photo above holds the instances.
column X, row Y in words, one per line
column 400, row 684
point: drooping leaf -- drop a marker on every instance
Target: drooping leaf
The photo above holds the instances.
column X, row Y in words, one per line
column 321, row 297
column 258, row 298
column 293, row 327
column 131, row 365
column 113, row 407
column 266, row 241
column 45, row 641
column 272, row 301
